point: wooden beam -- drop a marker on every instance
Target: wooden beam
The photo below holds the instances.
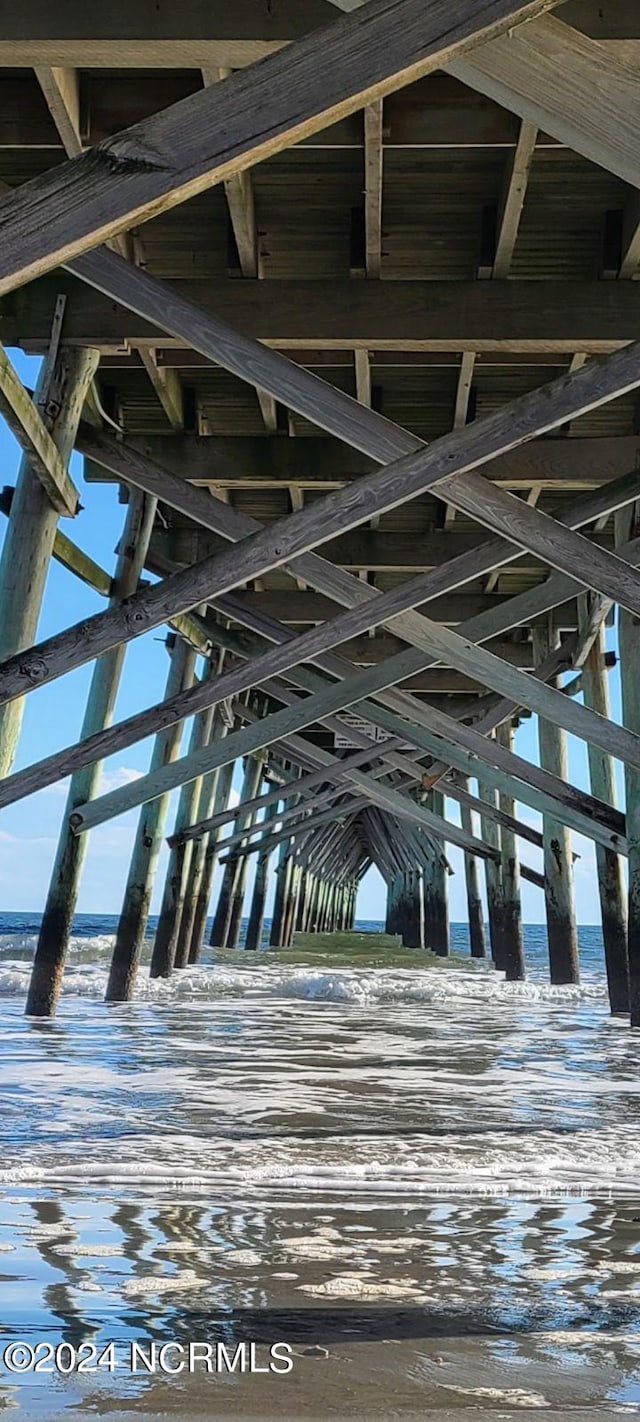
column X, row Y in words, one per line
column 361, row 550
column 450, row 609
column 77, row 561
column 528, row 318
column 483, row 626
column 242, row 214
column 227, row 127
column 238, row 190
column 61, row 89
column 245, row 462
column 512, row 199
column 130, row 33
column 167, row 386
column 426, row 727
column 373, row 122
column 26, row 423
column 565, row 83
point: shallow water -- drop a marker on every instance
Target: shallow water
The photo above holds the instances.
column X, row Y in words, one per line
column 428, row 1177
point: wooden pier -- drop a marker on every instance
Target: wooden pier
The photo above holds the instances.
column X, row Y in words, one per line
column 346, row 308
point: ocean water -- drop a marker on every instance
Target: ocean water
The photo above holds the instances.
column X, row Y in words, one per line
column 422, row 1179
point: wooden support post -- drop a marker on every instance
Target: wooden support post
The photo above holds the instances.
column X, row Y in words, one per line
column 391, row 913
column 413, row 917
column 472, row 879
column 629, row 645
column 283, row 872
column 226, row 924
column 436, row 901
column 609, row 865
column 351, row 908
column 221, row 917
column 493, row 876
column 198, row 853
column 164, row 957
column 134, row 913
column 209, row 849
column 513, row 941
column 33, row 521
column 559, row 894
column 250, row 789
column 256, row 917
column 289, row 908
column 57, row 919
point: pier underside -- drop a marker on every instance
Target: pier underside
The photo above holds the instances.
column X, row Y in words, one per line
column 346, row 306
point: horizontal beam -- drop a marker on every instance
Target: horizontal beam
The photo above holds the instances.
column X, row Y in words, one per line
column 429, row 316
column 28, row 427
column 228, row 127
column 246, row 462
column 136, row 34
column 309, row 607
column 382, row 552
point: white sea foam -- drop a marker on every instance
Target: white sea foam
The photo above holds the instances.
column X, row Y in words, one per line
column 391, row 1167
column 359, row 987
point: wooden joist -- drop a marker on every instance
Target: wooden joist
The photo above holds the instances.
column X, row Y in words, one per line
column 512, row 199
column 130, row 34
column 373, row 120
column 61, row 89
column 525, row 317
column 167, row 386
column 26, row 423
column 245, row 462
column 227, row 127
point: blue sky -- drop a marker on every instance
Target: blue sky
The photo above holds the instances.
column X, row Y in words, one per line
column 53, row 716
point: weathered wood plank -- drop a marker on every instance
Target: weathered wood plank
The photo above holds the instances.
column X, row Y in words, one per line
column 567, row 84
column 26, row 423
column 133, row 33
column 512, row 199
column 492, row 318
column 229, row 126
column 241, row 462
column 373, row 188
column 167, row 386
column 61, row 89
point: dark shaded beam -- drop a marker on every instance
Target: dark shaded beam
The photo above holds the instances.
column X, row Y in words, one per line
column 301, row 608
column 246, row 462
column 524, row 316
column 379, row 551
